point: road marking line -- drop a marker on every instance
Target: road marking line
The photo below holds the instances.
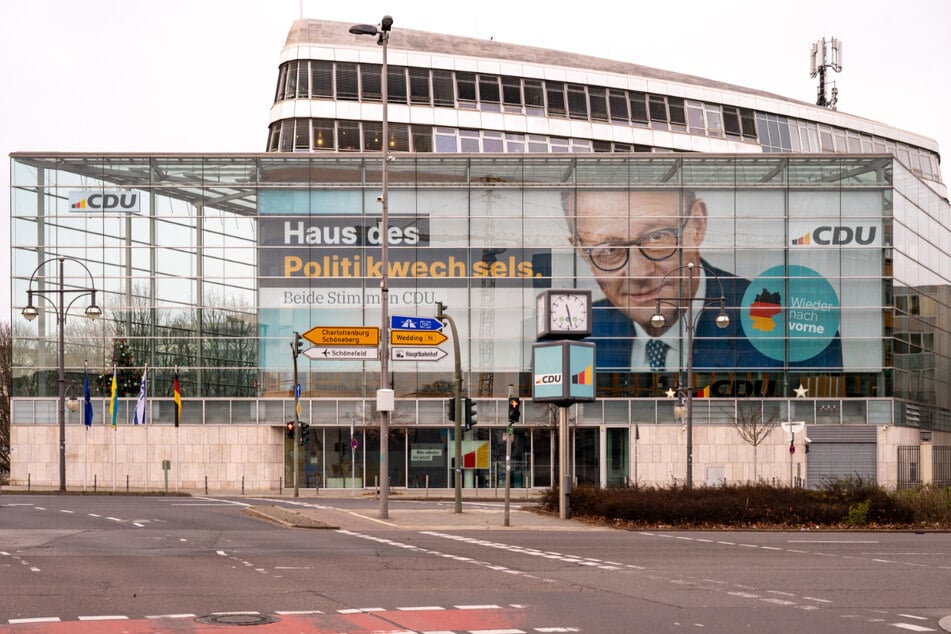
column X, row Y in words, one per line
column 171, row 616
column 66, row 511
column 421, row 608
column 103, row 617
column 297, row 612
column 488, row 606
column 913, row 628
column 360, row 610
column 913, row 616
column 42, row 619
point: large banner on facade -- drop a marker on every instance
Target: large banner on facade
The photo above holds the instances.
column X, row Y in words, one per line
column 799, row 273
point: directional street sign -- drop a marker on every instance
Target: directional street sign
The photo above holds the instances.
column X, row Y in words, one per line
column 401, row 322
column 417, row 354
column 416, row 338
column 343, row 336
column 335, row 353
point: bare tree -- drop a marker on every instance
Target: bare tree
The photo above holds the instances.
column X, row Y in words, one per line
column 753, row 425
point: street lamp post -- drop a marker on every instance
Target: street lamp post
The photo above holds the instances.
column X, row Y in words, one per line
column 61, row 308
column 684, row 407
column 384, row 396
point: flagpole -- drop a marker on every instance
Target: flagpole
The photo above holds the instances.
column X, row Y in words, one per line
column 176, row 391
column 85, row 425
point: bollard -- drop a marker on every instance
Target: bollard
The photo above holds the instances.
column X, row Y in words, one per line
column 28, row 477
column 280, row 485
column 427, row 486
column 206, row 485
column 94, row 478
column 127, row 483
column 242, row 485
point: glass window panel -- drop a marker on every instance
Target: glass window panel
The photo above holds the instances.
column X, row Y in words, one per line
column 446, row 140
column 714, row 120
column 555, row 94
column 512, row 93
column 419, row 86
column 577, row 102
column 321, row 78
column 469, row 141
column 489, row 92
column 492, row 141
column 372, row 135
column 617, row 99
column 466, row 88
column 695, row 120
column 399, row 137
column 347, row 81
column 281, row 80
column 597, row 98
column 638, row 107
column 371, row 88
column 301, row 134
column 290, row 90
column 324, row 134
column 348, row 135
column 422, row 138
column 749, row 123
column 658, row 108
column 303, row 80
column 443, row 93
column 534, row 97
column 678, row 116
column 396, row 84
column 731, row 121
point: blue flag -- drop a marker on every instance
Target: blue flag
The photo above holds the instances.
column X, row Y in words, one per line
column 87, row 402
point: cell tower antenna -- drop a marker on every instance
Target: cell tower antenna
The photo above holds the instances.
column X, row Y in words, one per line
column 826, row 54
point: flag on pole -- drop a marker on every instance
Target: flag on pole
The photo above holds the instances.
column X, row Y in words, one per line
column 178, row 398
column 114, row 398
column 87, row 401
column 138, row 418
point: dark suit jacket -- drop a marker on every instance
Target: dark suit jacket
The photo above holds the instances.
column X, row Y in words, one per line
column 713, row 348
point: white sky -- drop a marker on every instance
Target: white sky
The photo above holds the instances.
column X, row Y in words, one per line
column 199, row 75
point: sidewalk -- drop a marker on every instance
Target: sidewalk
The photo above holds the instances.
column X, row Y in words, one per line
column 477, row 514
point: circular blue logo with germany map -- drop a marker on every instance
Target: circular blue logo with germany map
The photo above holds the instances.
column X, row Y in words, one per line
column 791, row 302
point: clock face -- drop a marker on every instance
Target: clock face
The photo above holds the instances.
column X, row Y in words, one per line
column 568, row 312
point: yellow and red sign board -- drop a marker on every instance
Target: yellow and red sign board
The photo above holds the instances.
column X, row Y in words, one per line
column 417, row 337
column 343, row 335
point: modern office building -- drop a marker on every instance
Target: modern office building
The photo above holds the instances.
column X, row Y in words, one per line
column 821, row 235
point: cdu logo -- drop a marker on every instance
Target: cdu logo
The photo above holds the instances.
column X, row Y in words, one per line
column 836, row 236
column 120, row 201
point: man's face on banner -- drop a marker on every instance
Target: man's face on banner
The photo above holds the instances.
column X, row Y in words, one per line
column 631, row 240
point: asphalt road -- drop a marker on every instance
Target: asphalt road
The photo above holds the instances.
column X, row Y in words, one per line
column 142, row 564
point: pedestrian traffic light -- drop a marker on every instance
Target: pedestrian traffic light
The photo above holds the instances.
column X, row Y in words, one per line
column 471, row 413
column 304, row 433
column 289, row 427
column 515, row 409
column 298, row 343
column 451, row 409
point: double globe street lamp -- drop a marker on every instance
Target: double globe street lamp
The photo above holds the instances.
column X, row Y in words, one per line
column 684, row 407
column 57, row 299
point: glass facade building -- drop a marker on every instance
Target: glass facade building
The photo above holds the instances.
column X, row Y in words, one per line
column 823, row 236
column 836, row 269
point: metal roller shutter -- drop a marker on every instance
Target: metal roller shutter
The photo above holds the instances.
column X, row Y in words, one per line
column 841, row 451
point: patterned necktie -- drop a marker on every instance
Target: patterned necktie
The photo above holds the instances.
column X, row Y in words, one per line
column 657, row 355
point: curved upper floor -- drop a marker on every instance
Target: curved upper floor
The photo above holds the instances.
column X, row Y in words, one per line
column 456, row 94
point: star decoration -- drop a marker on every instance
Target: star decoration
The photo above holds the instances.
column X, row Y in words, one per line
column 801, row 391
column 670, row 392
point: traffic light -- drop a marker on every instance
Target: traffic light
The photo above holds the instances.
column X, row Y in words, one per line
column 515, row 409
column 298, row 342
column 289, row 427
column 451, row 409
column 471, row 413
column 304, row 433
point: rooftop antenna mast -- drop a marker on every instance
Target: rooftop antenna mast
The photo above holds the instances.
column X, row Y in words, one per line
column 826, row 55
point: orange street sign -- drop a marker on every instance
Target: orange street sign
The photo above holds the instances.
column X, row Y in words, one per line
column 343, row 335
column 417, row 337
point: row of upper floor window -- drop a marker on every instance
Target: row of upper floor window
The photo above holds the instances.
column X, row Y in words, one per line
column 350, row 81
column 306, row 135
